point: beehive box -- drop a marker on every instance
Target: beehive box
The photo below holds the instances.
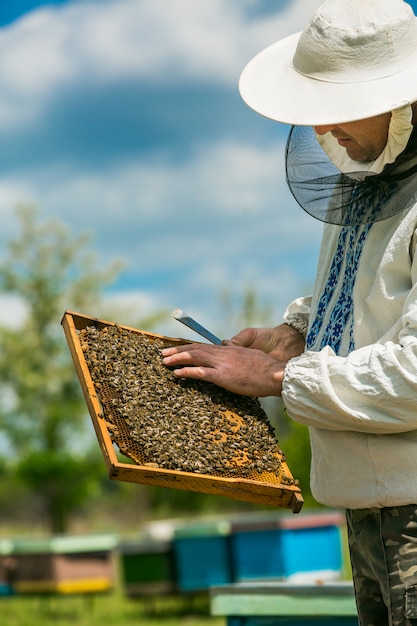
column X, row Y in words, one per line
column 147, row 567
column 60, row 564
column 306, row 547
column 177, row 433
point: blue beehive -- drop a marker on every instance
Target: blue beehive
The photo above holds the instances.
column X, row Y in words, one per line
column 202, row 556
column 313, row 545
column 308, row 546
column 257, row 553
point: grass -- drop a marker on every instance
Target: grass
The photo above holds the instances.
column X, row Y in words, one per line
column 110, row 609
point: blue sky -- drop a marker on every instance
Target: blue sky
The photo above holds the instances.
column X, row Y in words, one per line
column 123, row 118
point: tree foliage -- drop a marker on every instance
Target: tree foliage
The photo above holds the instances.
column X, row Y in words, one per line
column 47, row 441
column 42, row 412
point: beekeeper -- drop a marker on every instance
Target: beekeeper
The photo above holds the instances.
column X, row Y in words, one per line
column 345, row 358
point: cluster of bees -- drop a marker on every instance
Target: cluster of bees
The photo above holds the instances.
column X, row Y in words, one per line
column 176, row 424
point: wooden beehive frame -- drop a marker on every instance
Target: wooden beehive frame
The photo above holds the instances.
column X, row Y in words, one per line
column 278, row 495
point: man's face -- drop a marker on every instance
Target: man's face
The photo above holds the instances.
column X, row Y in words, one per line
column 364, row 140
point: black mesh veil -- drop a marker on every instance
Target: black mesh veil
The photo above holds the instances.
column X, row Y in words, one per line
column 348, row 199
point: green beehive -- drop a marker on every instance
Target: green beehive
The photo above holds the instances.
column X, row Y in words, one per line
column 147, row 567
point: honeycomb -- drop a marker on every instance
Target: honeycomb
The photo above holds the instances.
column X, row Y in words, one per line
column 160, row 420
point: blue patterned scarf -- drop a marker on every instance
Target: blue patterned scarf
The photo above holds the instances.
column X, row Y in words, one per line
column 343, row 272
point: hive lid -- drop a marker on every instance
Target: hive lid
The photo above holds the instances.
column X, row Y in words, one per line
column 274, row 488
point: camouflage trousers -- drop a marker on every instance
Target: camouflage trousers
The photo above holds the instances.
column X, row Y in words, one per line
column 383, row 552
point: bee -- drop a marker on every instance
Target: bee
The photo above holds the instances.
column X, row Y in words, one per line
column 170, row 423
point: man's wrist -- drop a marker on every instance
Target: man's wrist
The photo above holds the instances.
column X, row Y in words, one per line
column 298, row 323
column 277, row 378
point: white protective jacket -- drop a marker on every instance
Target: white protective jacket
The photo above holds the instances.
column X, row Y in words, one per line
column 361, row 407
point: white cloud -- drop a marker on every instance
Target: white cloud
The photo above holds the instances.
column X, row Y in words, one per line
column 158, row 40
column 220, row 215
column 34, row 61
column 225, row 181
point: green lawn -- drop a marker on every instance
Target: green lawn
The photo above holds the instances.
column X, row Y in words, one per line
column 107, row 610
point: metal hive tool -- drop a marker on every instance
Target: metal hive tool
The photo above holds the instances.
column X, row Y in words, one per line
column 239, row 478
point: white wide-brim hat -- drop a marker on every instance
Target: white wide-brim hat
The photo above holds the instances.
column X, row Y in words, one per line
column 355, row 59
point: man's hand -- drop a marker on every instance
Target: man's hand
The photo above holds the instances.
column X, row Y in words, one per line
column 282, row 342
column 249, row 372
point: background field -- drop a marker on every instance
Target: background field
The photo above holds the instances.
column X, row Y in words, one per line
column 109, row 610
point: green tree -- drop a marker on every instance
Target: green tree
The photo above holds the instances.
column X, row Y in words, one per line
column 42, row 411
